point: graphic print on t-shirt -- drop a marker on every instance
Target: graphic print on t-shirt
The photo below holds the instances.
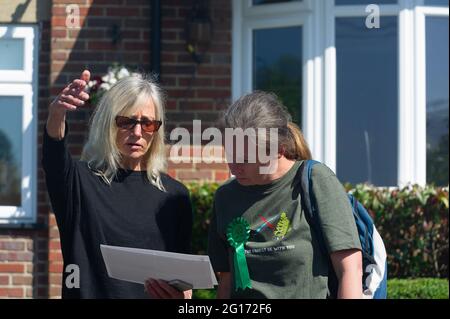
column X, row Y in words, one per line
column 268, row 231
column 279, row 225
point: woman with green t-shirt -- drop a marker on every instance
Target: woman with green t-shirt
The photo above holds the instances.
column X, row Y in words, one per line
column 260, row 243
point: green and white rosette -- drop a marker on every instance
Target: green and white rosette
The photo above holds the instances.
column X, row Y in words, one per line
column 238, row 232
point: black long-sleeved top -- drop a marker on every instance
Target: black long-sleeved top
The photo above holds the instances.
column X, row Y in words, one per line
column 130, row 212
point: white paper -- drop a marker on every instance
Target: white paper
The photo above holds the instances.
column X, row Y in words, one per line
column 137, row 265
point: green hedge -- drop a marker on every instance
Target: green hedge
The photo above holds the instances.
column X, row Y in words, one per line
column 413, row 222
column 202, row 196
column 421, row 288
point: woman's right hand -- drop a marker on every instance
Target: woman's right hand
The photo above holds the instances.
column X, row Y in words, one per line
column 159, row 289
column 72, row 97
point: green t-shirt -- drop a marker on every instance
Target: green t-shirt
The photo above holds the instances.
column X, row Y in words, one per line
column 283, row 254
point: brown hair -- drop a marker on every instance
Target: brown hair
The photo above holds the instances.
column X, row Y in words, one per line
column 264, row 110
column 296, row 148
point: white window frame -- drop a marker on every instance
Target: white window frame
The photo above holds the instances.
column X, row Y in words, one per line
column 421, row 13
column 319, row 71
column 24, row 84
column 27, row 34
column 247, row 18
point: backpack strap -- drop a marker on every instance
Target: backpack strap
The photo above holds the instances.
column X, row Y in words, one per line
column 309, row 201
column 309, row 205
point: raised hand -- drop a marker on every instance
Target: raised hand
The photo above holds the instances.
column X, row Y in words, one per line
column 72, row 97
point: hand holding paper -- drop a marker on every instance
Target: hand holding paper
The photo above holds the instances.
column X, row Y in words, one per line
column 137, row 265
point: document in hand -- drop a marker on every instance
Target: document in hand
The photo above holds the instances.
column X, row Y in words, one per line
column 137, row 265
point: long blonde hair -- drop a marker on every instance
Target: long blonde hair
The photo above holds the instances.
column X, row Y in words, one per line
column 101, row 151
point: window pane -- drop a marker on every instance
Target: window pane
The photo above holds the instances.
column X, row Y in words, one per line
column 367, row 110
column 257, row 2
column 11, row 54
column 364, row 2
column 10, row 150
column 441, row 3
column 277, row 65
column 437, row 100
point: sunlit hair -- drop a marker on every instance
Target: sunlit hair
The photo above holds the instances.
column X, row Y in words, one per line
column 264, row 110
column 101, row 151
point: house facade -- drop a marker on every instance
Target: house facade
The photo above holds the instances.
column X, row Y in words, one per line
column 366, row 80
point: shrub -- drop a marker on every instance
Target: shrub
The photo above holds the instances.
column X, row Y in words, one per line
column 202, row 196
column 204, row 294
column 421, row 288
column 413, row 222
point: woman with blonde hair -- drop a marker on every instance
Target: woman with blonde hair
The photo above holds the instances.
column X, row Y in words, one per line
column 260, row 241
column 117, row 193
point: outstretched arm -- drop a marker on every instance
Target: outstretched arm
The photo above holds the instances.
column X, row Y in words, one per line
column 72, row 97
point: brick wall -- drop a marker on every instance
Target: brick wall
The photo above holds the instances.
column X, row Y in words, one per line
column 194, row 91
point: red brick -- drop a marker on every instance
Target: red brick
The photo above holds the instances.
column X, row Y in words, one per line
column 80, row 2
column 51, row 217
column 194, row 175
column 55, row 292
column 59, row 33
column 54, row 245
column 212, row 166
column 100, row 45
column 13, row 267
column 215, row 94
column 220, row 176
column 182, row 165
column 22, row 280
column 12, row 292
column 55, row 279
column 225, row 82
column 4, row 280
column 172, row 173
column 136, row 46
column 54, row 233
column 55, row 267
column 29, row 268
column 55, row 256
column 16, row 256
column 122, row 12
column 12, row 245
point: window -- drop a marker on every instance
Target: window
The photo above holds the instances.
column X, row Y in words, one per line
column 437, row 99
column 277, row 65
column 367, row 101
column 443, row 3
column 18, row 51
column 372, row 102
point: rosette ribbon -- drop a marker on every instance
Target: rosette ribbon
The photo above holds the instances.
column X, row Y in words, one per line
column 238, row 232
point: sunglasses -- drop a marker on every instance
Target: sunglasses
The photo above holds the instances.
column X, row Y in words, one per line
column 128, row 123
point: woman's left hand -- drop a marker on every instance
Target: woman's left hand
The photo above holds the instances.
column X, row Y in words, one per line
column 159, row 289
